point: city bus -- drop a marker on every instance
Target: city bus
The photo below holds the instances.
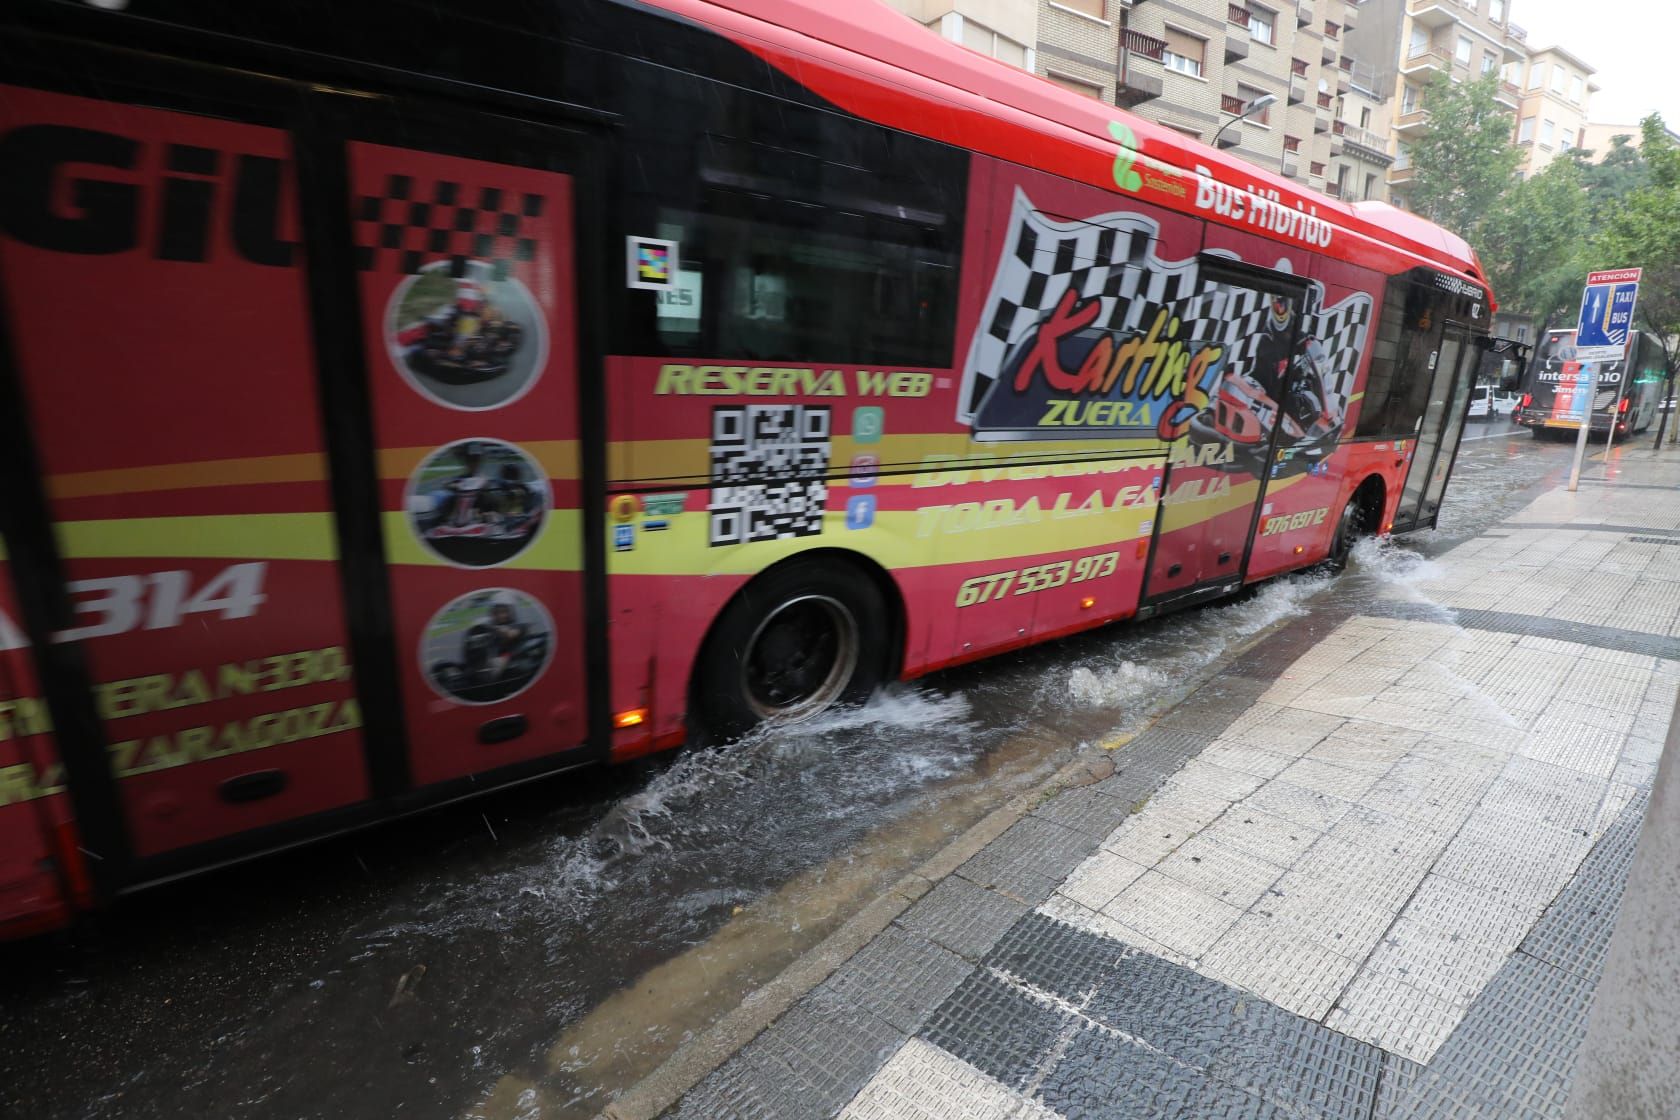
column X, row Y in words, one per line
column 1627, row 394
column 401, row 402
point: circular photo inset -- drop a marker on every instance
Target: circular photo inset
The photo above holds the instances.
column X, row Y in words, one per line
column 486, row 646
column 477, row 502
column 466, row 336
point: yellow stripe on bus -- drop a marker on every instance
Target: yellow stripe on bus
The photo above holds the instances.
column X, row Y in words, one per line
column 311, row 467
column 648, row 461
column 234, row 536
column 557, row 457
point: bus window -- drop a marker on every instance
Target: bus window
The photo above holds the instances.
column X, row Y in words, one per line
column 773, row 281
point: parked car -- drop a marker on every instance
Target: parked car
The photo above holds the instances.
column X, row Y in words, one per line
column 1490, row 401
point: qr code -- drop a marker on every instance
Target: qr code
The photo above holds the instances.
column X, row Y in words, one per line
column 769, row 471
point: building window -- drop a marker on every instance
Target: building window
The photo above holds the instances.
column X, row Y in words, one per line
column 1410, row 99
column 1089, row 89
column 1496, row 10
column 1558, row 76
column 1092, row 8
column 1564, row 141
column 1489, row 61
column 1575, row 89
column 1364, row 116
column 1462, row 51
column 1249, row 93
column 1261, row 25
column 1547, row 128
column 1370, row 184
column 1536, row 75
column 1522, row 336
column 979, row 37
column 1525, row 130
column 1184, row 52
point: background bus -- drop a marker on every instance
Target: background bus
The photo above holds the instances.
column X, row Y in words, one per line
column 1627, row 393
column 384, row 424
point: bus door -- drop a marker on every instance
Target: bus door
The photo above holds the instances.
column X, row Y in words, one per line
column 1452, row 374
column 1215, row 478
column 465, row 238
column 178, row 542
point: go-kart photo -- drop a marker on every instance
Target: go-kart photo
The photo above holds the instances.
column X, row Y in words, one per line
column 486, row 646
column 477, row 502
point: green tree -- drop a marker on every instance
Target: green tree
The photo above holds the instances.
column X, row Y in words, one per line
column 1533, row 241
column 1608, row 182
column 1643, row 231
column 1464, row 161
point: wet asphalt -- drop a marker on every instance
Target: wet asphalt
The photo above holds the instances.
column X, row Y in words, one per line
column 407, row 970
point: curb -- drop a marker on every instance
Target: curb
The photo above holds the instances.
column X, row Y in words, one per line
column 690, row 1065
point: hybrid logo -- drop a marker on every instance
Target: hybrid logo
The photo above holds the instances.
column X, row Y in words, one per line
column 53, row 196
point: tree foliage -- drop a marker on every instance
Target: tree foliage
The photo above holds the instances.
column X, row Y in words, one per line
column 1464, row 161
column 1643, row 231
column 1533, row 242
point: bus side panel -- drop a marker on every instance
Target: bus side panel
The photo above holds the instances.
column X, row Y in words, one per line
column 468, row 307
column 35, row 820
column 157, row 296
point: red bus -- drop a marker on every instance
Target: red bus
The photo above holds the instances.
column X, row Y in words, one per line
column 400, row 404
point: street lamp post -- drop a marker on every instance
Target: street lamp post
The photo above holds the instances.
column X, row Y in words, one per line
column 1264, row 101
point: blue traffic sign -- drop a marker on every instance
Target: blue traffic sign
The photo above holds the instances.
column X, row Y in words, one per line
column 1606, row 315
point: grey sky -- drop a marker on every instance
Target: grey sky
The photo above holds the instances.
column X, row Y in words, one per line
column 1631, row 43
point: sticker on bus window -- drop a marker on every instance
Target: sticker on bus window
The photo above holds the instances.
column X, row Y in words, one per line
column 477, row 503
column 650, row 263
column 466, row 335
column 486, row 646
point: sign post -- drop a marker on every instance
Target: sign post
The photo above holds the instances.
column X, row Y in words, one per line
column 1601, row 335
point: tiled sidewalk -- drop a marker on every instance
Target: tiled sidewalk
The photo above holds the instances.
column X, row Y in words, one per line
column 1370, row 872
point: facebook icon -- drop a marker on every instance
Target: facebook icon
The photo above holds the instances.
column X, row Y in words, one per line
column 860, row 511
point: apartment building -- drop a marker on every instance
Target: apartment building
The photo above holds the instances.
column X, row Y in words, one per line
column 1598, row 138
column 1408, row 42
column 1006, row 30
column 1194, row 65
column 1360, row 172
column 1556, row 87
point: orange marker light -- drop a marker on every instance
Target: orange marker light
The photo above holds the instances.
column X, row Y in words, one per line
column 1300, row 548
column 1087, row 603
column 633, row 717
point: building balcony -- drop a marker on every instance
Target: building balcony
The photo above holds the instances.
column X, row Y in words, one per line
column 1297, row 89
column 1344, row 81
column 1363, row 144
column 1237, row 14
column 1411, row 123
column 1350, row 16
column 1508, row 95
column 1291, row 166
column 1432, row 13
column 1140, row 83
column 1236, row 44
column 1303, row 13
column 1399, row 176
column 1336, row 145
column 1425, row 60
column 1328, row 52
column 1323, row 119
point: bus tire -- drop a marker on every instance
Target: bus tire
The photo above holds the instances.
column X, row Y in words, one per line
column 795, row 641
column 1358, row 517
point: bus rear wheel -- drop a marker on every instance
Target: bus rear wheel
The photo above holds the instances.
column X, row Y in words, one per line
column 796, row 641
column 1359, row 517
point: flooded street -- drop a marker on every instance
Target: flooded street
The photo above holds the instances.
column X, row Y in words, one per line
column 419, row 968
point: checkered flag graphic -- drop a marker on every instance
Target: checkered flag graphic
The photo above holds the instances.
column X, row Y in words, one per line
column 1341, row 331
column 416, row 221
column 1111, row 258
